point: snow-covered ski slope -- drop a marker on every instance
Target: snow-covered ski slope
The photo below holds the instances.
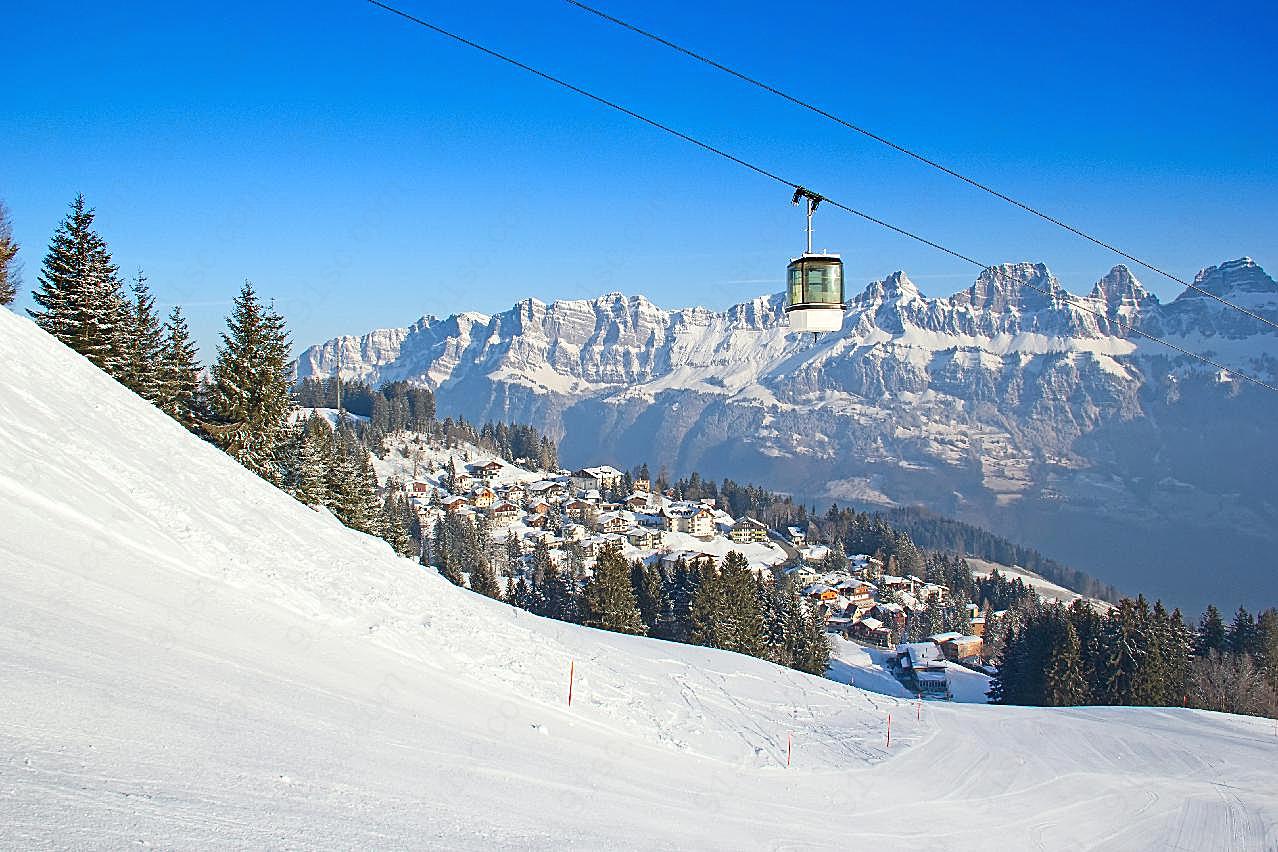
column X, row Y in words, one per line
column 191, row 659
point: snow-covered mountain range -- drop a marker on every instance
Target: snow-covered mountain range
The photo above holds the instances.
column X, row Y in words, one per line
column 192, row 659
column 1009, row 403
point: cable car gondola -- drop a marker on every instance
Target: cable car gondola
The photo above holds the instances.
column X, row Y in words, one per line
column 814, row 283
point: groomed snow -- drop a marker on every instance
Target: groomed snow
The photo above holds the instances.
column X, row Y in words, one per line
column 191, row 659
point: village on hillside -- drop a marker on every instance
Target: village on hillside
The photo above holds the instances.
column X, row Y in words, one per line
column 574, row 515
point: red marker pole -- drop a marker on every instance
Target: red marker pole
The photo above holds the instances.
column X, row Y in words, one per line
column 789, row 747
column 889, row 731
column 571, row 665
column 920, row 707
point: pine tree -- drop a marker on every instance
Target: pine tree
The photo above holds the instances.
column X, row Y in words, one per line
column 683, row 588
column 1064, row 684
column 395, row 530
column 1242, row 637
column 80, row 294
column 539, row 562
column 444, row 560
column 1134, row 672
column 650, row 593
column 666, row 625
column 142, row 345
column 745, row 613
column 249, row 398
column 484, row 582
column 1267, row 645
column 706, row 611
column 1178, row 651
column 1009, row 685
column 179, row 374
column 521, row 595
column 8, row 266
column 726, row 611
column 1088, row 626
column 372, row 510
column 780, row 615
column 514, row 552
column 609, row 598
column 806, row 646
column 341, row 492
column 559, row 597
column 1211, row 633
column 311, row 485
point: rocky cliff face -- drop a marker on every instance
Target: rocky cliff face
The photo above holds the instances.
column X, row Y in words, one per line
column 1010, row 403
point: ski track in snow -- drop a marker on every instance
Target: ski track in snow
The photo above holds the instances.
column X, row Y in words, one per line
column 191, row 659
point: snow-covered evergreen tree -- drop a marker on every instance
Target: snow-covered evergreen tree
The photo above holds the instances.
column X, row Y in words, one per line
column 522, row 595
column 560, row 598
column 249, row 397
column 8, row 263
column 1063, row 681
column 609, row 598
column 706, row 611
column 514, row 553
column 80, row 295
column 484, row 582
column 1267, row 643
column 726, row 611
column 471, row 551
column 179, row 372
column 395, row 529
column 341, row 494
column 683, row 586
column 311, row 485
column 443, row 548
column 371, row 510
column 810, row 649
column 650, row 594
column 745, row 613
column 1134, row 671
column 142, row 345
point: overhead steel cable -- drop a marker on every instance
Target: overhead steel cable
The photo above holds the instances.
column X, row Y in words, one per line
column 1065, row 295
column 1047, row 217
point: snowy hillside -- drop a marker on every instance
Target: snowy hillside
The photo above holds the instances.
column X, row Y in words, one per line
column 997, row 404
column 192, row 659
column 1047, row 590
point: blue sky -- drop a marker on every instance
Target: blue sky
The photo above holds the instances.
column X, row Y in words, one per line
column 364, row 171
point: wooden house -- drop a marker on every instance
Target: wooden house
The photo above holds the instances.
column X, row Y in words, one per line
column 486, row 472
column 505, row 513
column 962, row 649
column 872, row 631
column 578, row 509
column 455, row 504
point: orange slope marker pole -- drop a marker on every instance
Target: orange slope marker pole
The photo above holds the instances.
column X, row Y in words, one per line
column 572, row 664
column 889, row 731
column 789, row 748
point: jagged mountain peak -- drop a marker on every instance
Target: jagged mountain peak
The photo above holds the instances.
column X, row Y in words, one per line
column 1007, row 287
column 899, row 284
column 1233, row 277
column 1122, row 292
column 894, row 287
